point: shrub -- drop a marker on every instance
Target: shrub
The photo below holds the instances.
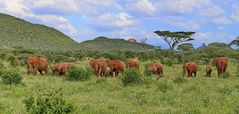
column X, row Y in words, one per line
column 226, row 75
column 167, row 61
column 131, row 76
column 148, row 73
column 13, row 61
column 11, row 77
column 79, row 74
column 48, row 103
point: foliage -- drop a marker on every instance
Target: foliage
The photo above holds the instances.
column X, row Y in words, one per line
column 131, row 76
column 185, row 47
column 48, row 103
column 226, row 75
column 79, row 74
column 19, row 33
column 235, row 42
column 175, row 38
column 107, row 44
column 10, row 77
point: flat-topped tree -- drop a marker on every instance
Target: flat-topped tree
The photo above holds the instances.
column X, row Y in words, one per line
column 235, row 42
column 175, row 38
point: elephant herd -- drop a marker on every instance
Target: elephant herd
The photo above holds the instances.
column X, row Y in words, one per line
column 221, row 64
column 38, row 64
column 114, row 67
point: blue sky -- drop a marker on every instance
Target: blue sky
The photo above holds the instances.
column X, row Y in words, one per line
column 213, row 20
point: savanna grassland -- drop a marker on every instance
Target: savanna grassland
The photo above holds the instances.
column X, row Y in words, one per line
column 171, row 94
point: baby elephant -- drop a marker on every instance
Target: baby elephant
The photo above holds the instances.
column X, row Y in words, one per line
column 62, row 68
column 208, row 71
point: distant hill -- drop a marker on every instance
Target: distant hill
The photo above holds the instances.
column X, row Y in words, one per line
column 15, row 32
column 108, row 44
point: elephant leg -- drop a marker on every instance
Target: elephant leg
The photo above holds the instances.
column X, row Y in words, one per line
column 189, row 73
column 34, row 71
column 41, row 72
column 99, row 72
column 28, row 70
column 117, row 73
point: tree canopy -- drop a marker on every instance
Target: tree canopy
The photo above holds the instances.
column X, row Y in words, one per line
column 175, row 38
column 235, row 43
column 185, row 47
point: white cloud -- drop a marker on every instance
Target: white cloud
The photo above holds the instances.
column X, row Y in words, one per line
column 53, row 6
column 181, row 23
column 221, row 20
column 212, row 11
column 235, row 14
column 141, row 7
column 181, row 6
column 111, row 21
column 20, row 9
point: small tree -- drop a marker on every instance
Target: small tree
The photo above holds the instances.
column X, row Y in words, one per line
column 175, row 38
column 185, row 47
column 235, row 42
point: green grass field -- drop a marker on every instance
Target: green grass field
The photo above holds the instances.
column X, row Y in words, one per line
column 168, row 95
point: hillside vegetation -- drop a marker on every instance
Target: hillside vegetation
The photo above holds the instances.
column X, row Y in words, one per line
column 16, row 32
column 107, row 44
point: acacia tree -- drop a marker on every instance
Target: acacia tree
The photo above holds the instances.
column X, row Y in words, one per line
column 175, row 38
column 235, row 42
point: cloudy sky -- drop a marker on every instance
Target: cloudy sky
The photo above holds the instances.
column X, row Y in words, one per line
column 213, row 20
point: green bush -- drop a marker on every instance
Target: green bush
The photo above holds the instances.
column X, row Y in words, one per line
column 226, row 75
column 168, row 61
column 79, row 74
column 131, row 76
column 148, row 73
column 13, row 61
column 48, row 103
column 11, row 77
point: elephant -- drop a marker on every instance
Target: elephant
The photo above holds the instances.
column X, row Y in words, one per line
column 221, row 65
column 62, row 68
column 132, row 63
column 208, row 71
column 156, row 68
column 99, row 66
column 37, row 64
column 190, row 67
column 116, row 67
